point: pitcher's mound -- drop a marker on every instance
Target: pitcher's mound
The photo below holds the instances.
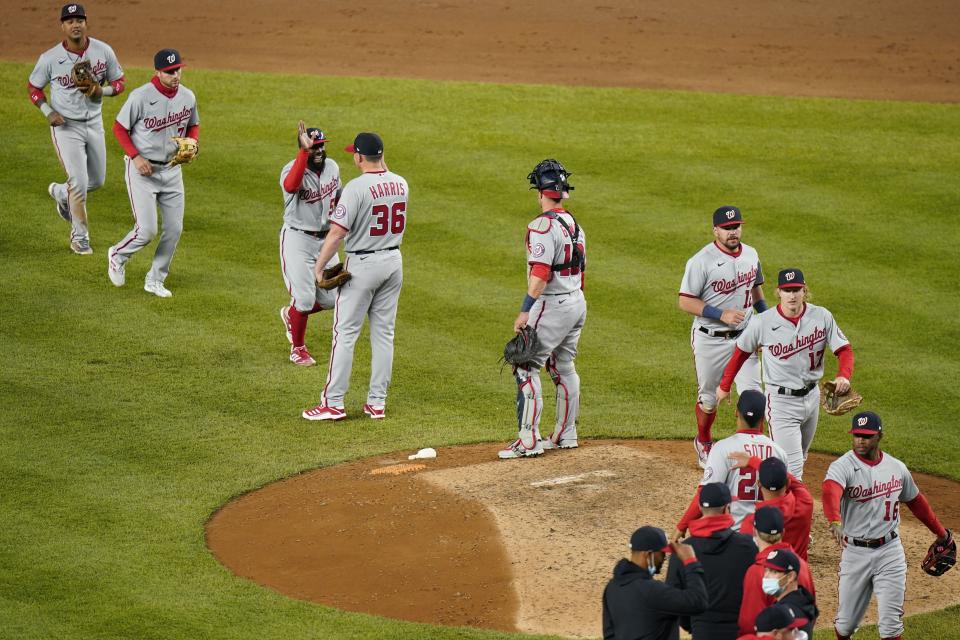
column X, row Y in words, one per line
column 528, row 545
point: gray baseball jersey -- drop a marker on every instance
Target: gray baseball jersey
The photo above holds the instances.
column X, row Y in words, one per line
column 372, row 209
column 741, row 482
column 153, row 119
column 54, row 67
column 869, row 508
column 792, row 354
column 310, row 207
column 722, row 280
column 549, row 243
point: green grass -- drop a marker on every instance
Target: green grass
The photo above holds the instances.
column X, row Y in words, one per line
column 129, row 419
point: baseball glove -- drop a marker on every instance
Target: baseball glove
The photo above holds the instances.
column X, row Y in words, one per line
column 187, row 150
column 521, row 348
column 83, row 78
column 334, row 277
column 836, row 404
column 941, row 556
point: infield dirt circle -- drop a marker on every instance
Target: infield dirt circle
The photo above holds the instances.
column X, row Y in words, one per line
column 523, row 545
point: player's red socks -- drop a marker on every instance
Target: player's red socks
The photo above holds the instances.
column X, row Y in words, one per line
column 298, row 326
column 704, row 422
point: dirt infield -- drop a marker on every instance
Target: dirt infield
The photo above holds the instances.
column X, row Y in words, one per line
column 846, row 48
column 521, row 545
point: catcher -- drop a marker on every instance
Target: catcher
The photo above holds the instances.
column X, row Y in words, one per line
column 556, row 260
column 861, row 500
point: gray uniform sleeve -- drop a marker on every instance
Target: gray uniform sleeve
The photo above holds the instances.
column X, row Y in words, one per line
column 759, row 281
column 835, row 337
column 345, row 215
column 542, row 246
column 749, row 340
column 839, row 472
column 40, row 76
column 910, row 489
column 694, row 277
column 130, row 112
column 114, row 70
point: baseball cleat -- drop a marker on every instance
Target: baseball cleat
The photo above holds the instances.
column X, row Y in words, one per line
column 703, row 451
column 302, row 357
column 157, row 289
column 115, row 270
column 81, row 246
column 321, row 412
column 516, row 450
column 63, row 209
column 285, row 316
column 564, row 443
column 376, row 413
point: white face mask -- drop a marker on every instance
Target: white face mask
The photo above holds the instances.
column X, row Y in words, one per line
column 771, row 586
column 651, row 565
column 800, row 634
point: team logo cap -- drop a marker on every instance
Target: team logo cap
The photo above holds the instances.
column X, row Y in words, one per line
column 727, row 217
column 866, row 423
column 751, row 406
column 714, row 494
column 790, row 279
column 649, row 539
column 167, row 60
column 778, row 616
column 366, row 144
column 768, row 520
column 772, row 474
column 317, row 135
column 72, row 10
column 782, row 560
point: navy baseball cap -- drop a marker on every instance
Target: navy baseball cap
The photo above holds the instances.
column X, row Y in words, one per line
column 714, row 494
column 773, row 474
column 318, row 136
column 790, row 279
column 782, row 560
column 768, row 520
column 866, row 423
column 72, row 11
column 778, row 616
column 727, row 217
column 751, row 406
column 167, row 60
column 649, row 539
column 366, row 144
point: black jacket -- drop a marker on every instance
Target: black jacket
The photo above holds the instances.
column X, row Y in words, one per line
column 725, row 556
column 802, row 600
column 637, row 607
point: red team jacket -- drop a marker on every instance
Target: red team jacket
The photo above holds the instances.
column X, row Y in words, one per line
column 797, row 508
column 754, row 599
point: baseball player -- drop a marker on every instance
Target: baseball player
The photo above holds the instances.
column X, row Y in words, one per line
column 778, row 622
column 722, row 467
column 722, row 286
column 369, row 220
column 861, row 500
column 557, row 309
column 781, row 490
column 154, row 114
column 311, row 188
column 794, row 336
column 74, row 115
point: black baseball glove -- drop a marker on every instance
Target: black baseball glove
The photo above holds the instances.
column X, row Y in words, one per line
column 521, row 348
column 941, row 556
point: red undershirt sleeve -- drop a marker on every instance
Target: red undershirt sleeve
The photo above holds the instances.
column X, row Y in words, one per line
column 541, row 271
column 194, row 132
column 921, row 508
column 36, row 95
column 118, row 85
column 845, row 356
column 291, row 184
column 733, row 368
column 123, row 137
column 692, row 513
column 832, row 491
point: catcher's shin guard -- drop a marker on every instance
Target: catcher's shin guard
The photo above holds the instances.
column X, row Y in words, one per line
column 567, row 380
column 529, row 406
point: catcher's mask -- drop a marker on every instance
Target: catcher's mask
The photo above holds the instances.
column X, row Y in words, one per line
column 550, row 178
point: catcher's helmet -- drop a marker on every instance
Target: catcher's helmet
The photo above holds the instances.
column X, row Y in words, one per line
column 550, row 178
